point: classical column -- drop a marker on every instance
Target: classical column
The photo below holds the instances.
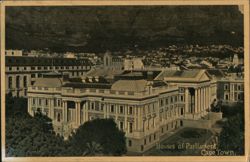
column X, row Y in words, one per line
column 65, row 113
column 140, row 120
column 204, row 100
column 51, row 105
column 86, row 111
column 116, row 112
column 103, row 105
column 77, row 113
column 125, row 117
column 107, row 109
column 231, row 91
column 209, row 97
column 201, row 100
column 196, row 102
column 205, row 97
column 134, row 110
column 29, row 105
column 186, row 100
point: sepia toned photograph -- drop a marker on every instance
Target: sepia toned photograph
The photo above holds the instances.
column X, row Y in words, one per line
column 124, row 81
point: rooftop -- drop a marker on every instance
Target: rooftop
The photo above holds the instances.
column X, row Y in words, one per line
column 193, row 75
column 130, row 85
column 48, row 82
column 45, row 61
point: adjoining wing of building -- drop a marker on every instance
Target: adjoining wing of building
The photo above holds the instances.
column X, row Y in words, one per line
column 148, row 105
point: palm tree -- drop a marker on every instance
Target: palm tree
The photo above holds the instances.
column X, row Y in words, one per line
column 93, row 149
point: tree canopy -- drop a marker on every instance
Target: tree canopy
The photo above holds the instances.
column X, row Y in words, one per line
column 100, row 133
column 232, row 136
column 34, row 136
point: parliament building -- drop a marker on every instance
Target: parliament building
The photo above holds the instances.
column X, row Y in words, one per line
column 148, row 105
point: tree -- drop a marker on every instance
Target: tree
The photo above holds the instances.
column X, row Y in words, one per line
column 32, row 136
column 232, row 135
column 15, row 106
column 100, row 136
column 92, row 149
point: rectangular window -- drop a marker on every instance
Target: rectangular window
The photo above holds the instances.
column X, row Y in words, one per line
column 33, row 75
column 226, row 97
column 181, row 98
column 25, row 92
column 130, row 110
column 121, row 110
column 102, row 106
column 10, row 82
column 166, row 101
column 239, row 87
column 112, row 108
column 18, row 82
column 25, row 81
column 55, row 103
column 46, row 102
column 239, row 96
column 39, row 102
column 34, row 101
column 161, row 102
column 130, row 127
column 39, row 75
column 58, row 102
column 121, row 125
column 225, row 87
column 129, row 143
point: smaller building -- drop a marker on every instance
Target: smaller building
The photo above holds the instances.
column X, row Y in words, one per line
column 69, row 55
column 13, row 53
column 112, row 62
column 235, row 60
column 133, row 64
column 230, row 89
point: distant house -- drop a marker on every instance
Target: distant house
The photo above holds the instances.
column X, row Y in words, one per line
column 133, row 64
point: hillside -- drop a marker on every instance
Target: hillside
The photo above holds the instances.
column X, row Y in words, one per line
column 121, row 27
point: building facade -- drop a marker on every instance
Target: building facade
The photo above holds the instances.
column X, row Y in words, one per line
column 147, row 105
column 231, row 90
column 21, row 72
